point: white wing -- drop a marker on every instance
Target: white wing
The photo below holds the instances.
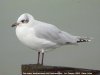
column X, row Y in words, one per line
column 52, row 33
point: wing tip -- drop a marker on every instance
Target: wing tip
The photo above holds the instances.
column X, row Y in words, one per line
column 84, row 39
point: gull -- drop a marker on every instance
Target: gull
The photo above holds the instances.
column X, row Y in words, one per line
column 42, row 37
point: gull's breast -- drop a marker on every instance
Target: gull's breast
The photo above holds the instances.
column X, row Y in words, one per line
column 27, row 37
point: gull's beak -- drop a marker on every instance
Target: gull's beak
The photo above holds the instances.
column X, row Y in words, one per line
column 15, row 24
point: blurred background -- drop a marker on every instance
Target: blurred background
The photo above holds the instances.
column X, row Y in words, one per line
column 78, row 17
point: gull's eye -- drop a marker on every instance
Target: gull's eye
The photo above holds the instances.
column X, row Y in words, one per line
column 23, row 21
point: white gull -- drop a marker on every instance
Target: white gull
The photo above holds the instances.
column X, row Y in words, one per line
column 41, row 36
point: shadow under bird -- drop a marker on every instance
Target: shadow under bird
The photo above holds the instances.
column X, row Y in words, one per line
column 41, row 36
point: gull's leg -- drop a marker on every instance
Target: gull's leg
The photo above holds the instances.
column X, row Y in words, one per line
column 42, row 58
column 42, row 51
column 38, row 57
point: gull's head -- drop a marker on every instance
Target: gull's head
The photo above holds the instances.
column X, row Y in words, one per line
column 23, row 19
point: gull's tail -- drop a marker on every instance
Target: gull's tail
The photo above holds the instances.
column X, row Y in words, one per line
column 84, row 39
